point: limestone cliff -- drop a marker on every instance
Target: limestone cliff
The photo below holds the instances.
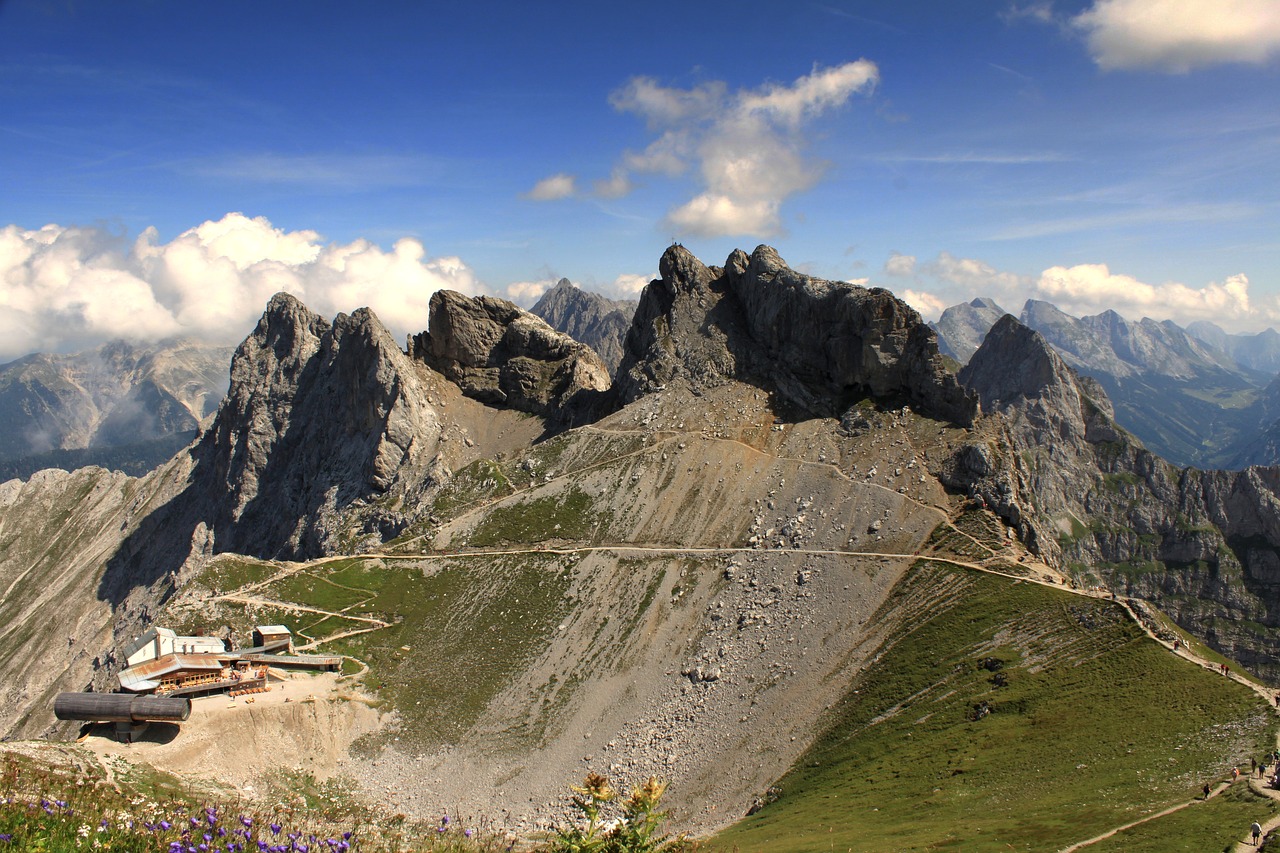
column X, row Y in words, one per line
column 501, row 355
column 821, row 345
column 318, row 416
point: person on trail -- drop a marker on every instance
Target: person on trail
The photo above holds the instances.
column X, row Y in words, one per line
column 1206, row 790
column 1257, row 832
column 1235, row 773
column 1253, row 765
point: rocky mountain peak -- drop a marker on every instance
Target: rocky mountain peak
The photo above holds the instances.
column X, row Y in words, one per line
column 822, row 345
column 318, row 415
column 1016, row 369
column 595, row 320
column 962, row 327
column 502, row 355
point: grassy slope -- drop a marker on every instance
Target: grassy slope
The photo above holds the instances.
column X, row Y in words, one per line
column 1097, row 726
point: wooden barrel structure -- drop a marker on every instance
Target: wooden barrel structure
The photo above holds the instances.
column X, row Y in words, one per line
column 120, row 708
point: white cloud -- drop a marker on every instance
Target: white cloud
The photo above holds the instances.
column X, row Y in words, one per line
column 617, row 185
column 67, row 288
column 552, row 188
column 1090, row 288
column 528, row 292
column 748, row 146
column 821, row 90
column 662, row 106
column 929, row 306
column 974, row 275
column 900, row 265
column 628, row 286
column 1179, row 35
column 1086, row 289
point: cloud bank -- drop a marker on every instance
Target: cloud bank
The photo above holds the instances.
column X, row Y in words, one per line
column 1082, row 290
column 746, row 148
column 1179, row 35
column 67, row 288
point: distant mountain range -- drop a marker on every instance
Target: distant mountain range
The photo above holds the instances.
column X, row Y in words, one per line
column 1196, row 395
column 83, row 408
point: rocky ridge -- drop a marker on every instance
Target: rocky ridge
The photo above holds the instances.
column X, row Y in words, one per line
column 1187, row 399
column 961, row 328
column 777, row 447
column 822, row 345
column 1088, row 496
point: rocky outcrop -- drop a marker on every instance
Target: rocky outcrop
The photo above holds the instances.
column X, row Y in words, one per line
column 821, row 345
column 318, row 416
column 504, row 356
column 588, row 317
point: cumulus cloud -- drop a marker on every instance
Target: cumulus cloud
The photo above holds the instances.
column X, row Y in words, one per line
column 974, row 275
column 1089, row 288
column 69, row 288
column 900, row 265
column 1179, row 35
column 528, row 292
column 748, row 146
column 628, row 286
column 929, row 305
column 552, row 188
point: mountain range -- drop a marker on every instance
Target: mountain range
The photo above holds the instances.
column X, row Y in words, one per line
column 74, row 409
column 1196, row 396
column 695, row 565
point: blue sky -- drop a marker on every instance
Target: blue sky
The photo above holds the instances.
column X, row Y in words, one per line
column 1097, row 153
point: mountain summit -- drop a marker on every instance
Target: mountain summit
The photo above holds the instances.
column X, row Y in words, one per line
column 822, row 345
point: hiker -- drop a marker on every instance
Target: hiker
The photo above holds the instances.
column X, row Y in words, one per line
column 1206, row 790
column 1253, row 765
column 1235, row 773
column 1257, row 832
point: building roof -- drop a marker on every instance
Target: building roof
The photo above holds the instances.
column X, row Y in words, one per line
column 147, row 675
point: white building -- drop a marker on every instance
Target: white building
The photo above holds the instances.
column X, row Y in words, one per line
column 158, row 642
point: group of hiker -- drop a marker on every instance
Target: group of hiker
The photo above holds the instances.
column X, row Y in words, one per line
column 1270, row 762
